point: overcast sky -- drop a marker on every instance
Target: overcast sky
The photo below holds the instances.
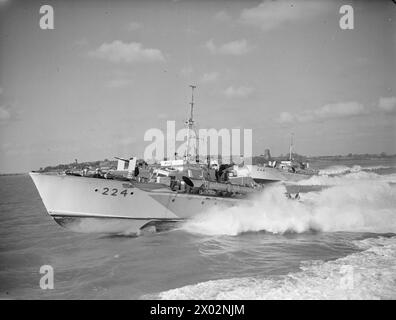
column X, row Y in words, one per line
column 110, row 70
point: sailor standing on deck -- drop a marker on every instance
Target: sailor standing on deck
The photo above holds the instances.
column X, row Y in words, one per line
column 97, row 174
column 136, row 173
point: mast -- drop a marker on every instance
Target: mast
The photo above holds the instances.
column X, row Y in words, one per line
column 291, row 147
column 192, row 104
column 190, row 121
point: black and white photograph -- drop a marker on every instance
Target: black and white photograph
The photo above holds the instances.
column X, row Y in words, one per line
column 197, row 150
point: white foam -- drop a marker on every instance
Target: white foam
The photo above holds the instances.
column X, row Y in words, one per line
column 370, row 274
column 340, row 169
column 356, row 177
column 373, row 168
column 365, row 206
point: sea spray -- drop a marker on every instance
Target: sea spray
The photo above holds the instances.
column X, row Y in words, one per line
column 347, row 179
column 339, row 169
column 360, row 206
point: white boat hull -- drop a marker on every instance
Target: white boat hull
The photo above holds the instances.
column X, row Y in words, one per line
column 111, row 206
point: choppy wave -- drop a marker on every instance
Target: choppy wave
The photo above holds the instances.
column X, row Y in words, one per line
column 369, row 274
column 342, row 169
column 374, row 168
column 357, row 205
column 347, row 179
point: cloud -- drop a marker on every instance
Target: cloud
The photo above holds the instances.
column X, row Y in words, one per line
column 8, row 113
column 5, row 114
column 269, row 15
column 126, row 141
column 328, row 111
column 118, row 83
column 162, row 116
column 340, row 110
column 222, row 16
column 186, row 71
column 238, row 47
column 83, row 42
column 209, row 77
column 240, row 92
column 286, row 117
column 387, row 104
column 118, row 51
column 132, row 26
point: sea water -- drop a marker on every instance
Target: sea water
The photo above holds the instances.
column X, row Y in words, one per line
column 337, row 242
